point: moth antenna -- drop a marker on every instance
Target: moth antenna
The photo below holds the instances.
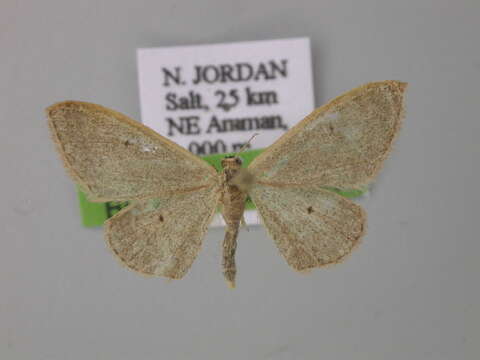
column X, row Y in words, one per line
column 246, row 144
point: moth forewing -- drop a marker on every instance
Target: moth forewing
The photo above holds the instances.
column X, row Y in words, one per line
column 342, row 144
column 113, row 157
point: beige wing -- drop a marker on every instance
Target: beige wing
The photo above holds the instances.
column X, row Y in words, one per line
column 161, row 237
column 341, row 144
column 113, row 157
column 311, row 226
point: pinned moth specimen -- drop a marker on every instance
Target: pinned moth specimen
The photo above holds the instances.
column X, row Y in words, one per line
column 174, row 194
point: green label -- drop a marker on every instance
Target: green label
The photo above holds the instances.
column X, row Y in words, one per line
column 94, row 213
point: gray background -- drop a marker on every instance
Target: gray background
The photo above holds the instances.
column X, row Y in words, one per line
column 409, row 292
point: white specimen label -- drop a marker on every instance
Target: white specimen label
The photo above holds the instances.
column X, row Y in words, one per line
column 213, row 98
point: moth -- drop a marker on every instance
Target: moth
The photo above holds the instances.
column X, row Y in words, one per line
column 174, row 194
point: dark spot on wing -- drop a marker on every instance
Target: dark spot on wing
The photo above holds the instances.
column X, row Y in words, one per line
column 160, row 217
column 310, row 210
